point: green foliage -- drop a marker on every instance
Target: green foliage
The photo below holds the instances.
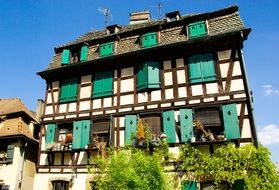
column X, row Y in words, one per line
column 128, row 169
column 230, row 164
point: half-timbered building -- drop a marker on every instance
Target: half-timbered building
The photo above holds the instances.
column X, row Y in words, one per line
column 170, row 72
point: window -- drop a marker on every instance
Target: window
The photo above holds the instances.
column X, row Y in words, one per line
column 60, row 185
column 103, row 84
column 210, row 186
column 197, row 29
column 189, row 185
column 202, row 68
column 101, row 133
column 149, row 40
column 220, row 122
column 153, row 122
column 83, row 53
column 68, row 90
column 6, row 153
column 106, row 49
column 148, row 76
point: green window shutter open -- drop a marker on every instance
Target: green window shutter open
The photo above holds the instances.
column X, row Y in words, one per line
column 142, row 77
column 85, row 140
column 195, row 70
column 50, row 133
column 169, row 126
column 10, row 153
column 145, row 41
column 197, row 29
column 106, row 49
column 130, row 127
column 190, row 185
column 153, row 75
column 230, row 118
column 68, row 90
column 208, row 67
column 77, row 135
column 66, row 55
column 103, row 84
column 83, row 53
column 186, row 124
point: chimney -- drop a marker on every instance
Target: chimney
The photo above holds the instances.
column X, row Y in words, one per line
column 139, row 17
column 39, row 110
column 173, row 16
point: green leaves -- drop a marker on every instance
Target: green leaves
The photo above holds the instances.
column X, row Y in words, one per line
column 230, row 164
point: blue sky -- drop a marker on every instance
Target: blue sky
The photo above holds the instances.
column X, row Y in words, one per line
column 30, row 29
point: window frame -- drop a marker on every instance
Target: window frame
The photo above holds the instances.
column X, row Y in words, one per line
column 100, row 89
column 106, row 49
column 147, row 40
column 197, row 24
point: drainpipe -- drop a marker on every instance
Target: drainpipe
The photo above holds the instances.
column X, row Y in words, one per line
column 248, row 93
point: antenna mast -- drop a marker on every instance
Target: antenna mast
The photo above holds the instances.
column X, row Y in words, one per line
column 107, row 15
column 159, row 6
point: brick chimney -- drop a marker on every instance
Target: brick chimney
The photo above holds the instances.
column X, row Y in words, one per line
column 139, row 17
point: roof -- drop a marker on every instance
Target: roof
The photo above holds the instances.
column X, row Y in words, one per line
column 14, row 105
column 219, row 22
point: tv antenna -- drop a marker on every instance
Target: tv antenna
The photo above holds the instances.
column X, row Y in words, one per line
column 159, row 7
column 107, row 15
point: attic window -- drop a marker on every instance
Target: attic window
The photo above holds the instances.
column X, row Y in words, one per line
column 113, row 29
column 197, row 29
column 173, row 16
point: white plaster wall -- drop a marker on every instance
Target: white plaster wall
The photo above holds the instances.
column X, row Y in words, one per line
column 96, row 103
column 127, row 72
column 224, row 54
column 181, row 77
column 167, row 64
column 236, row 69
column 107, row 102
column 179, row 62
column 55, row 96
column 48, row 100
column 43, row 159
column 127, row 85
column 85, row 92
column 62, row 108
column 82, row 158
column 122, row 138
column 55, row 85
column 211, row 88
column 84, row 105
column 224, row 68
column 168, row 78
column 127, row 99
column 115, row 87
column 49, row 110
column 197, row 90
column 237, row 85
column 142, row 97
column 156, row 95
column 246, row 129
column 72, row 107
column 169, row 93
column 182, row 92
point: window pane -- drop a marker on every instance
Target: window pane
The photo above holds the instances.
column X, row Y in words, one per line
column 153, row 122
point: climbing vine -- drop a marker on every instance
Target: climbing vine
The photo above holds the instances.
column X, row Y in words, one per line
column 229, row 163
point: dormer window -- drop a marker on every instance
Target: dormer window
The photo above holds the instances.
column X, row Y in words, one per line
column 74, row 55
column 113, row 29
column 149, row 40
column 66, row 56
column 197, row 29
column 106, row 49
column 173, row 16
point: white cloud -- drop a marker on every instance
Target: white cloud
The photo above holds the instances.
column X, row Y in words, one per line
column 269, row 134
column 269, row 90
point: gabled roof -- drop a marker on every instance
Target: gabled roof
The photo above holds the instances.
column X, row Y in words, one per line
column 14, row 105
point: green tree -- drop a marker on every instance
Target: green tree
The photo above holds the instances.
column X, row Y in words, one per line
column 128, row 170
column 248, row 163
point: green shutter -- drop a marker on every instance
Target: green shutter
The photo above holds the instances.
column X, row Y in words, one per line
column 106, row 49
column 64, row 91
column 83, row 53
column 153, row 75
column 66, row 54
column 192, row 29
column 208, row 67
column 142, row 77
column 85, row 136
column 103, row 84
column 195, row 69
column 130, row 127
column 10, row 153
column 68, row 90
column 169, row 126
column 186, row 124
column 145, row 41
column 239, row 184
column 50, row 133
column 201, row 28
column 152, row 37
column 189, row 185
column 77, row 135
column 230, row 121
